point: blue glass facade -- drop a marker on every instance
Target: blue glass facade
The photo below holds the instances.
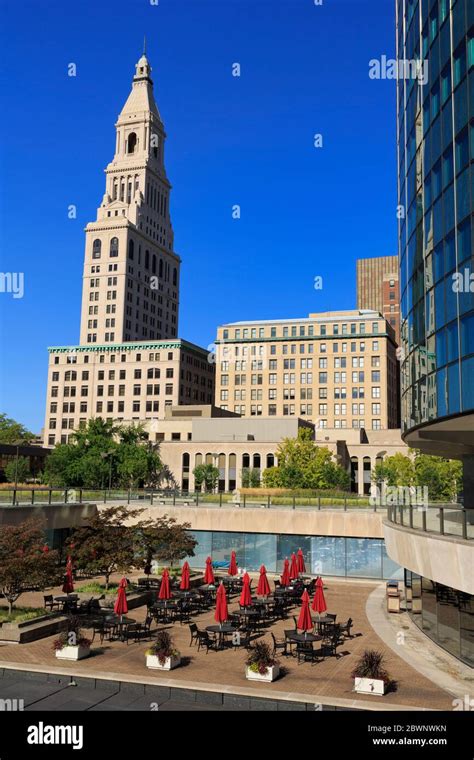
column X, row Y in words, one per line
column 324, row 555
column 436, row 222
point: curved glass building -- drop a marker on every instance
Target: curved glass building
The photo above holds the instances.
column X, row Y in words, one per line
column 435, row 109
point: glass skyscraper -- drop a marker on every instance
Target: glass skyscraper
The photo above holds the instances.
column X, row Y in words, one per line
column 435, row 135
column 435, row 126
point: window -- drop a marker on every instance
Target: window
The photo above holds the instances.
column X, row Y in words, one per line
column 131, row 142
column 96, row 249
column 114, row 248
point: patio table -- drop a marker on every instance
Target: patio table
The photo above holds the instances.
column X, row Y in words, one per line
column 226, row 629
column 301, row 638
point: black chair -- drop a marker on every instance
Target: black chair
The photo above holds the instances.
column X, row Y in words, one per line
column 131, row 631
column 49, row 603
column 279, row 645
column 287, row 632
column 331, row 641
column 243, row 637
column 345, row 628
column 205, row 640
column 194, row 633
column 145, row 631
column 85, row 607
column 183, row 611
column 99, row 628
column 295, row 622
column 331, row 616
column 305, row 652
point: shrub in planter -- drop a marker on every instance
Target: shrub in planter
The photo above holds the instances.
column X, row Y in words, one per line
column 370, row 676
column 162, row 655
column 72, row 644
column 261, row 664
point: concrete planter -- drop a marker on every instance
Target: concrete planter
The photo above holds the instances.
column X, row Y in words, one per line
column 153, row 662
column 272, row 673
column 73, row 652
column 369, row 686
column 32, row 630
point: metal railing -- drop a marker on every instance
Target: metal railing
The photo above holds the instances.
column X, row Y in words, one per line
column 443, row 519
column 42, row 496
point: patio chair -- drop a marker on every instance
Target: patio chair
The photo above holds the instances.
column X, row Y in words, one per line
column 280, row 645
column 277, row 584
column 290, row 642
column 193, row 629
column 331, row 641
column 345, row 628
column 183, row 611
column 279, row 610
column 305, row 652
column 146, row 632
column 99, row 628
column 331, row 616
column 49, row 603
column 205, row 640
column 295, row 622
column 132, row 631
column 243, row 639
column 85, row 607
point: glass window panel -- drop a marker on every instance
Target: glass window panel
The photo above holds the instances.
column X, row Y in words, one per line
column 429, row 618
column 453, row 388
column 364, row 557
column 390, row 569
column 467, row 369
column 261, row 548
column 448, row 618
column 203, row 548
column 466, row 608
column 328, row 556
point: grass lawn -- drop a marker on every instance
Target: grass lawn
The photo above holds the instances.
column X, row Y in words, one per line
column 20, row 614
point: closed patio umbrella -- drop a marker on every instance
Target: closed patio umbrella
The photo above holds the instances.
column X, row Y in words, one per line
column 164, row 592
column 184, row 585
column 209, row 573
column 293, row 567
column 232, row 565
column 68, row 586
column 246, row 595
column 285, row 577
column 221, row 613
column 121, row 606
column 300, row 561
column 263, row 588
column 304, row 620
column 319, row 602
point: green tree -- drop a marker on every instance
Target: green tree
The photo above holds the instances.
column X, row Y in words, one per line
column 18, row 472
column 105, row 545
column 207, row 475
column 441, row 476
column 13, row 432
column 24, row 563
column 165, row 540
column 250, row 477
column 396, row 470
column 303, row 464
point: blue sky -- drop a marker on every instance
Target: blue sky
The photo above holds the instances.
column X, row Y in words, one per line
column 247, row 141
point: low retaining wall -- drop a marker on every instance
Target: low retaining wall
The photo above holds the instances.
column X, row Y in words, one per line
column 32, row 630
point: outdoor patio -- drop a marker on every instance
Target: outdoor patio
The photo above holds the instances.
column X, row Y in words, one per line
column 330, row 677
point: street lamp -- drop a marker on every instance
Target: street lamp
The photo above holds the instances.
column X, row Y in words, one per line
column 108, row 455
column 215, row 457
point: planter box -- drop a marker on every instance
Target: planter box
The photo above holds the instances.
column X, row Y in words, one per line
column 134, row 600
column 32, row 630
column 369, row 686
column 153, row 662
column 272, row 673
column 73, row 653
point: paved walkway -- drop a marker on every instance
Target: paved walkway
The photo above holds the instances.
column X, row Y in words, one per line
column 401, row 634
column 324, row 682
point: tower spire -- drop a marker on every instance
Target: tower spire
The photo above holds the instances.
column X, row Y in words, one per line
column 144, row 44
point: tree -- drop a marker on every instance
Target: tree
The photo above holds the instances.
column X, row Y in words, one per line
column 18, row 471
column 101, row 452
column 441, row 476
column 105, row 545
column 303, row 464
column 250, row 477
column 24, row 560
column 205, row 474
column 13, row 432
column 165, row 539
column 396, row 470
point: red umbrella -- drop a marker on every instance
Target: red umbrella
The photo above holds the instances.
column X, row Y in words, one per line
column 232, row 565
column 319, row 602
column 164, row 592
column 300, row 561
column 68, row 586
column 263, row 588
column 246, row 596
column 285, row 578
column 209, row 574
column 294, row 567
column 184, row 585
column 304, row 621
column 221, row 613
column 121, row 606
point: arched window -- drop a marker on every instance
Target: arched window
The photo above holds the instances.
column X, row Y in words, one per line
column 114, row 248
column 96, row 249
column 245, row 460
column 153, row 264
column 175, row 276
column 256, row 461
column 160, row 270
column 131, row 247
column 270, row 460
column 147, row 259
column 131, row 142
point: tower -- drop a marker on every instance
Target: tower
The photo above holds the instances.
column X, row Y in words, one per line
column 131, row 272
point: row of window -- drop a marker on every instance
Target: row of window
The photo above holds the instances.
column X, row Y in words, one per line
column 240, row 394
column 298, row 331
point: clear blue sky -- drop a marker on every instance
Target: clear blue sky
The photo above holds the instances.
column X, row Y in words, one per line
column 247, row 141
